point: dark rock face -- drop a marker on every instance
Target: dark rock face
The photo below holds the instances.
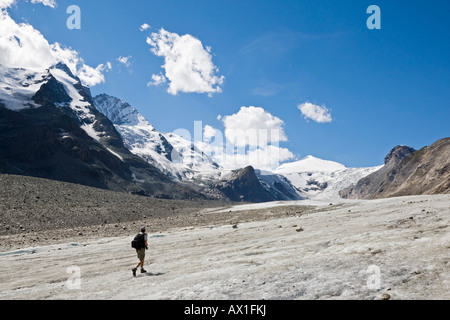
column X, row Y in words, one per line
column 51, row 92
column 243, row 185
column 316, row 185
column 250, row 185
column 47, row 143
column 398, row 153
column 407, row 172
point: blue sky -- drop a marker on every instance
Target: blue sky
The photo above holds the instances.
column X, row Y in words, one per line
column 383, row 87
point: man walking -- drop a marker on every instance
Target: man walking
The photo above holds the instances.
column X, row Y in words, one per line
column 140, row 250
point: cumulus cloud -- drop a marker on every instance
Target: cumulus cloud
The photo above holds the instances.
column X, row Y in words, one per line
column 188, row 64
column 209, row 133
column 157, row 79
column 49, row 3
column 125, row 60
column 252, row 137
column 144, row 27
column 22, row 46
column 253, row 126
column 316, row 113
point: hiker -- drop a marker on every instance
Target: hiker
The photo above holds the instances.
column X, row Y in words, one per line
column 142, row 245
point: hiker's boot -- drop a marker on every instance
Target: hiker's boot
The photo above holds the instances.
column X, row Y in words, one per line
column 143, row 270
column 134, row 272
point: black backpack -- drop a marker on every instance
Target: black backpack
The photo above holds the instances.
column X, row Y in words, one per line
column 138, row 242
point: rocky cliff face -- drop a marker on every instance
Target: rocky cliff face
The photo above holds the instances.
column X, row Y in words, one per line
column 398, row 153
column 244, row 185
column 250, row 185
column 407, row 172
column 50, row 129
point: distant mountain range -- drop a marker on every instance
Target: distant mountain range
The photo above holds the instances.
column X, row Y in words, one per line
column 51, row 127
column 308, row 178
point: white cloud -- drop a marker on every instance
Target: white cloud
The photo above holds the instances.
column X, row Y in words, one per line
column 188, row 65
column 209, row 132
column 242, row 127
column 316, row 113
column 144, row 27
column 157, row 79
column 22, row 46
column 252, row 137
column 267, row 158
column 49, row 3
column 6, row 3
column 88, row 75
column 125, row 60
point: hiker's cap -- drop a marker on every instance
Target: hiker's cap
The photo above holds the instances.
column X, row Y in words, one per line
column 143, row 229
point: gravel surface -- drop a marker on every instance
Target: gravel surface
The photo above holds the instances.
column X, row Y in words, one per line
column 36, row 212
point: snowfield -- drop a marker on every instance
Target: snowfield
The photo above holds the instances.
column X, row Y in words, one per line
column 356, row 250
column 320, row 179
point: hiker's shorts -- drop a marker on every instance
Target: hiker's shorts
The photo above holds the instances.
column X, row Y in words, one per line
column 141, row 254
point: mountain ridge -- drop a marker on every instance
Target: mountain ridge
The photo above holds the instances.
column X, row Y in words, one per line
column 407, row 172
column 51, row 127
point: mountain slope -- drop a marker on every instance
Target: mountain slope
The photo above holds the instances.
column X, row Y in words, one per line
column 173, row 155
column 407, row 172
column 315, row 178
column 278, row 185
column 49, row 128
column 244, row 185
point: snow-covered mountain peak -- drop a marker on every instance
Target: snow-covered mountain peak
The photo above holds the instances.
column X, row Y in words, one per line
column 309, row 164
column 120, row 112
column 18, row 86
column 22, row 89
